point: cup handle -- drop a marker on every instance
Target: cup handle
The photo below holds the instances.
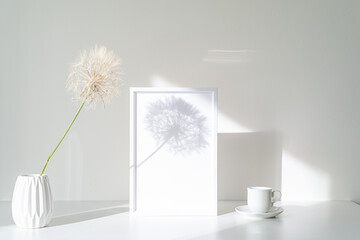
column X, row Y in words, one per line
column 275, row 199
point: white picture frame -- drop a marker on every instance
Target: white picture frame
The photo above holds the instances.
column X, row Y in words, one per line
column 173, row 151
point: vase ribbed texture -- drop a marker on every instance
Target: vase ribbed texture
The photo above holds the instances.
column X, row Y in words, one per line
column 32, row 203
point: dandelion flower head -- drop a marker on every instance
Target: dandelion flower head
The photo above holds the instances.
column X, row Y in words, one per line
column 95, row 77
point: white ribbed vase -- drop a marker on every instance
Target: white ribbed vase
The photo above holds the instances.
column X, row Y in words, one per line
column 32, row 203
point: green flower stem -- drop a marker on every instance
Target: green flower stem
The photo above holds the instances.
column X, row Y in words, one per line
column 67, row 130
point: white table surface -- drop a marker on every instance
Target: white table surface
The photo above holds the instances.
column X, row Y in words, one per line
column 78, row 220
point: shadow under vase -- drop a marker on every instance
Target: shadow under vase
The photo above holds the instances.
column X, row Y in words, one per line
column 67, row 212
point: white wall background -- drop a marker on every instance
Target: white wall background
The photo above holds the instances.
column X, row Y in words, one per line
column 287, row 73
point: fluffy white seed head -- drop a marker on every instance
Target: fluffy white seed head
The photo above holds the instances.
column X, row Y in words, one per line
column 96, row 76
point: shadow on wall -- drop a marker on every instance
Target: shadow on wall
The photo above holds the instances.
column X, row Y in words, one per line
column 248, row 159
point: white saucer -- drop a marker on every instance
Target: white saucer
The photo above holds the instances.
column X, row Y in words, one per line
column 273, row 212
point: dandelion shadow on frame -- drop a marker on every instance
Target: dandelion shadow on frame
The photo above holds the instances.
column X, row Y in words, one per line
column 176, row 124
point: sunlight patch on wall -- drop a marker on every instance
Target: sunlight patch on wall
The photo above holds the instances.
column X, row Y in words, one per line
column 302, row 182
column 228, row 125
column 225, row 123
column 159, row 81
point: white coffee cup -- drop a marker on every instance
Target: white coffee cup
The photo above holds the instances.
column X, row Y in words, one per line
column 261, row 199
